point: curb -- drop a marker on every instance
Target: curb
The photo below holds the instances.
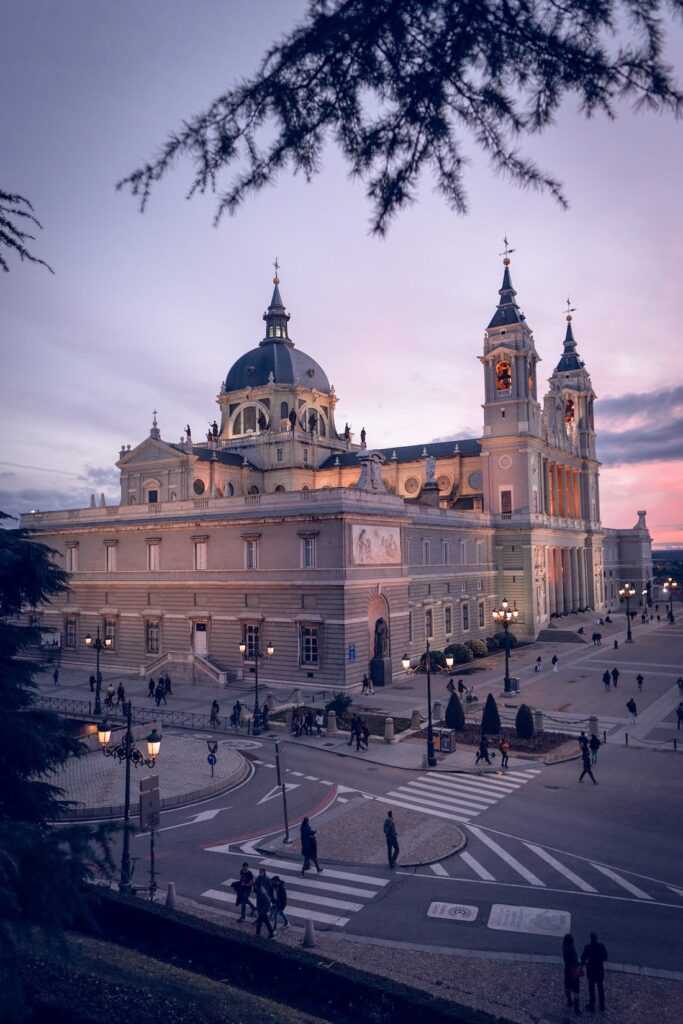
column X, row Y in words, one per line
column 417, row 767
column 169, row 803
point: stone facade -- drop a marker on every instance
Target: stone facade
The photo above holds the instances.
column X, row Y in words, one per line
column 281, row 528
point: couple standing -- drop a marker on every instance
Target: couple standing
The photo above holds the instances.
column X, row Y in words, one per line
column 593, row 960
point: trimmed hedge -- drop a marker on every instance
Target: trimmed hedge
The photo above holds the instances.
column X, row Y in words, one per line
column 478, row 648
column 455, row 716
column 490, row 719
column 524, row 722
column 461, row 653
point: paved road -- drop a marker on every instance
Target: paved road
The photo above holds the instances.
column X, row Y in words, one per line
column 606, row 855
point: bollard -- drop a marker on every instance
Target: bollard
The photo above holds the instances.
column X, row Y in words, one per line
column 437, row 711
column 626, row 738
column 538, row 722
column 170, row 896
column 388, row 730
column 675, row 744
column 593, row 725
column 416, row 719
column 308, row 941
column 604, row 736
column 331, row 723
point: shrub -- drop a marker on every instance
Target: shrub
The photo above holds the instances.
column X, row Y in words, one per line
column 461, row 653
column 524, row 722
column 490, row 720
column 492, row 644
column 436, row 660
column 340, row 705
column 455, row 716
column 478, row 648
column 511, row 639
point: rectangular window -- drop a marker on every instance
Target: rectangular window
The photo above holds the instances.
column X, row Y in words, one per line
column 425, row 552
column 251, row 554
column 201, row 554
column 152, row 497
column 152, row 632
column 448, row 619
column 71, row 633
column 482, row 615
column 153, row 557
column 480, row 585
column 110, row 558
column 72, row 558
column 506, row 504
column 110, row 634
column 279, row 454
column 465, row 616
column 410, row 627
column 463, row 588
column 463, row 552
column 308, row 552
column 305, row 456
column 309, row 645
column 250, row 636
column 445, row 553
column 480, row 551
column 429, row 624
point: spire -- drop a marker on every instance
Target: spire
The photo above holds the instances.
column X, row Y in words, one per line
column 507, row 311
column 276, row 316
column 154, row 429
column 570, row 359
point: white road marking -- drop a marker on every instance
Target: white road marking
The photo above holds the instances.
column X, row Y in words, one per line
column 311, row 778
column 476, row 791
column 507, row 857
column 315, row 915
column 323, row 901
column 563, row 870
column 315, row 883
column 342, row 800
column 194, row 820
column 439, row 869
column 451, row 796
column 432, row 799
column 679, row 892
column 325, row 782
column 300, row 774
column 478, row 868
column 397, row 802
column 277, row 791
column 629, row 886
column 343, row 875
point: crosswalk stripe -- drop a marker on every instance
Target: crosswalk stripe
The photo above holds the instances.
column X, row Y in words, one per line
column 315, row 883
column 316, row 915
column 563, row 870
column 439, row 869
column 223, row 897
column 452, row 793
column 679, row 892
column 323, row 901
column 478, row 868
column 480, row 782
column 461, row 788
column 507, row 857
column 499, row 784
column 629, row 886
column 399, row 802
column 430, row 796
column 511, row 774
column 347, row 876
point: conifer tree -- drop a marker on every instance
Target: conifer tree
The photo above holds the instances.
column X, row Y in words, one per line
column 455, row 716
column 490, row 720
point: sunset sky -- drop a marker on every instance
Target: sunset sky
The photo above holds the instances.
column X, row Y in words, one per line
column 149, row 311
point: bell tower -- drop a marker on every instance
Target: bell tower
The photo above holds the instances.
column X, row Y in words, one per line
column 510, row 391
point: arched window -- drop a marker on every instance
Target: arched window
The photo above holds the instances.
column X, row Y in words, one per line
column 246, row 419
column 253, row 489
column 229, row 490
column 284, row 410
column 503, row 375
column 279, row 489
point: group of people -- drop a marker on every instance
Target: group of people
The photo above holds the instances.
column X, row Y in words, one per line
column 307, row 722
column 589, row 756
column 112, row 696
column 484, row 751
column 359, row 733
column 592, row 964
column 270, row 895
column 160, row 690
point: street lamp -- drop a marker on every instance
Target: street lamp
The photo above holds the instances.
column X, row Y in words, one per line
column 626, row 593
column 97, row 644
column 405, row 662
column 128, row 752
column 255, row 653
column 668, row 589
column 506, row 615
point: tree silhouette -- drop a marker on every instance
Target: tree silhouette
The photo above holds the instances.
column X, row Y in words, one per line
column 490, row 720
column 404, row 88
column 524, row 722
column 16, row 215
column 455, row 716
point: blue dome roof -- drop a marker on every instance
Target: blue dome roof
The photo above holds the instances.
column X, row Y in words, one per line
column 287, row 364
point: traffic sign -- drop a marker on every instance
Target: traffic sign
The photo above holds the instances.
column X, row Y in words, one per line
column 211, row 759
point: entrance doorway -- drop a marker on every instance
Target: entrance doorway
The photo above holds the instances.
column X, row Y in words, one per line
column 199, row 639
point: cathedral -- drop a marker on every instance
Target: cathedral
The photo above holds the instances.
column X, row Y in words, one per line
column 281, row 529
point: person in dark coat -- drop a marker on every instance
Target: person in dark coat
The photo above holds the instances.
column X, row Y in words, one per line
column 587, row 768
column 354, row 729
column 594, row 745
column 583, row 741
column 632, row 708
column 679, row 716
column 391, row 838
column 483, row 752
column 309, row 847
column 615, row 676
column 151, row 687
column 263, row 890
column 167, row 685
column 594, row 958
column 640, row 679
column 92, row 682
column 572, row 973
column 243, row 889
column 554, row 662
column 120, row 694
column 279, row 902
column 606, row 678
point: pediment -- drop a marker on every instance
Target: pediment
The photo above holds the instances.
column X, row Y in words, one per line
column 151, row 450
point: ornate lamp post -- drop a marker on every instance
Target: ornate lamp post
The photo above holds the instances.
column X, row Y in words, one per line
column 405, row 663
column 128, row 752
column 505, row 615
column 668, row 590
column 256, row 654
column 626, row 593
column 98, row 644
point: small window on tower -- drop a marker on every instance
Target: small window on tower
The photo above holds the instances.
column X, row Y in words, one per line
column 569, row 411
column 503, row 375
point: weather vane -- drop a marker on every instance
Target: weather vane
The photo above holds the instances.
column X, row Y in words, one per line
column 507, row 252
column 276, row 265
column 570, row 309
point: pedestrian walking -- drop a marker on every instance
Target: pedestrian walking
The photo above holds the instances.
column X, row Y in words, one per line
column 55, row 676
column 279, row 902
column 109, row 699
column 120, row 694
column 309, row 847
column 461, row 687
column 633, row 710
column 616, row 645
column 483, row 751
column 599, row 639
column 236, row 716
column 243, row 889
column 504, row 747
column 263, row 891
column 365, row 735
column 319, row 722
column 594, row 638
column 92, row 683
column 615, row 676
column 365, row 688
column 159, row 694
column 354, row 728
column 583, row 741
column 594, row 958
column 607, row 679
column 594, row 745
column 587, row 768
column 391, row 838
column 169, row 691
column 679, row 715
column 215, row 711
column 265, row 719
column 679, row 684
column 640, row 680
column 359, row 735
column 538, row 666
column 555, row 662
column 572, row 973
column 151, row 687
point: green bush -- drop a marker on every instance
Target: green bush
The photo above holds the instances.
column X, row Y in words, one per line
column 478, row 648
column 436, row 659
column 490, row 720
column 524, row 723
column 492, row 644
column 461, row 653
column 511, row 639
column 340, row 705
column 455, row 716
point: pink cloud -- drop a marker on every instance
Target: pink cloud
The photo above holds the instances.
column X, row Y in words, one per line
column 654, row 486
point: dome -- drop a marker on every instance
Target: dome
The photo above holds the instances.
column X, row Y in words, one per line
column 276, row 359
column 287, row 365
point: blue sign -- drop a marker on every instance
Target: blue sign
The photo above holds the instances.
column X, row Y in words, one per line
column 211, row 759
column 352, row 652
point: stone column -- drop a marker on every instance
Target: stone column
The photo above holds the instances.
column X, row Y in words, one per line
column 550, row 580
column 559, row 582
column 577, row 495
column 546, row 495
column 576, row 600
column 555, row 490
column 583, row 595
